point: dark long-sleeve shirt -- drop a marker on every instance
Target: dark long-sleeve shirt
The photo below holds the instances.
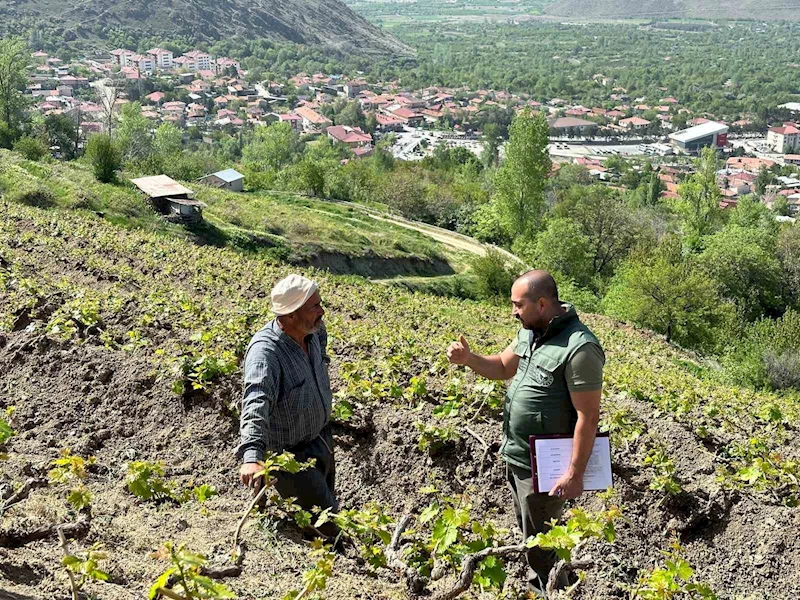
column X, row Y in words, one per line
column 287, row 393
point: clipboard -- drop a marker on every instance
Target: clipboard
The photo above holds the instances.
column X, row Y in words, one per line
column 552, row 460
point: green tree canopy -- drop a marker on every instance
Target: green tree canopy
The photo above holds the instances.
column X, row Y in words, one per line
column 133, row 133
column 665, row 292
column 698, row 205
column 522, row 178
column 748, row 274
column 14, row 58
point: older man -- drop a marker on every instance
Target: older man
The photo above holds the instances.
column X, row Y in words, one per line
column 557, row 368
column 287, row 395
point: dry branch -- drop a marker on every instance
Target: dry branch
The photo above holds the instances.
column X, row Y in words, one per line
column 71, row 530
column 414, row 581
column 264, row 487
column 470, row 564
column 30, row 485
column 565, row 567
column 486, row 448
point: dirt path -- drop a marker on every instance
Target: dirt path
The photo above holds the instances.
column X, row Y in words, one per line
column 445, row 236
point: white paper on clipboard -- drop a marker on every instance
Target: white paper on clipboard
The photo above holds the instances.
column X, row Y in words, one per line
column 552, row 457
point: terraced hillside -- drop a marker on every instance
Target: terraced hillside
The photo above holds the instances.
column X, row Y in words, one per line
column 121, row 348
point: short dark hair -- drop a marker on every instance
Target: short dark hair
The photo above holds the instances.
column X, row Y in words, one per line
column 540, row 285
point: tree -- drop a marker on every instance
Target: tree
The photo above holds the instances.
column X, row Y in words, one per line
column 789, row 256
column 13, row 62
column 371, row 122
column 744, row 264
column 63, row 132
column 105, row 157
column 698, row 205
column 763, row 179
column 271, row 148
column 168, row 140
column 351, row 115
column 665, row 292
column 491, row 144
column 563, row 248
column 494, row 278
column 609, row 224
column 521, row 180
column 133, row 132
column 107, row 96
column 31, row 147
column 781, row 206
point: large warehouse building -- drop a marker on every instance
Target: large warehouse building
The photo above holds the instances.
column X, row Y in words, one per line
column 692, row 140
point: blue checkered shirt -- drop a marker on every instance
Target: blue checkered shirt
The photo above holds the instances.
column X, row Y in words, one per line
column 287, row 393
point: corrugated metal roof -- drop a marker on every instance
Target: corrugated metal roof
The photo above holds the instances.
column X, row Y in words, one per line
column 229, row 175
column 159, row 186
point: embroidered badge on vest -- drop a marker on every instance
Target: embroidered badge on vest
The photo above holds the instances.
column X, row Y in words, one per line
column 542, row 377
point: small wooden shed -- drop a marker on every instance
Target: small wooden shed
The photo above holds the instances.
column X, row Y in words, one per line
column 170, row 198
column 229, row 179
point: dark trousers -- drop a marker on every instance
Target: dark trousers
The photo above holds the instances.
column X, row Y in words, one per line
column 314, row 486
column 533, row 513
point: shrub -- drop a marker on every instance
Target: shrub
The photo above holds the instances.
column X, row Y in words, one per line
column 105, row 157
column 31, row 148
column 494, row 278
column 33, row 194
column 765, row 353
column 783, row 370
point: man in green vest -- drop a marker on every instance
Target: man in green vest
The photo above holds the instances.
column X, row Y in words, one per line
column 556, row 365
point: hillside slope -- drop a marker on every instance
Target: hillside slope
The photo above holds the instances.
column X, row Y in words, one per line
column 668, row 9
column 296, row 229
column 126, row 345
column 327, row 22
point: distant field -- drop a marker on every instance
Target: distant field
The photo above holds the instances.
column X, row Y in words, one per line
column 389, row 13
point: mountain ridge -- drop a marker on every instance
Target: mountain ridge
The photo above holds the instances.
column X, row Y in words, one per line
column 311, row 22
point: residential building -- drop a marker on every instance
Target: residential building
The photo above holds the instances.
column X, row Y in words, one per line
column 784, row 139
column 350, row 136
column 634, row 123
column 294, row 120
column 312, row 120
column 571, row 126
column 408, row 116
column 120, row 57
column 195, row 60
column 388, row 123
column 163, row 58
column 143, row 62
column 354, row 88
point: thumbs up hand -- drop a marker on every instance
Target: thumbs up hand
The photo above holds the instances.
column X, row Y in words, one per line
column 458, row 352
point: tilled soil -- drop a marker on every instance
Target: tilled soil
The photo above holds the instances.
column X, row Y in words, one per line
column 111, row 404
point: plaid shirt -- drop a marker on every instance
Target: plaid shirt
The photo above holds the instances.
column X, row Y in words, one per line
column 287, row 393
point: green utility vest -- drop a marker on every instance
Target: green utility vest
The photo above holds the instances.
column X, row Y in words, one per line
column 538, row 401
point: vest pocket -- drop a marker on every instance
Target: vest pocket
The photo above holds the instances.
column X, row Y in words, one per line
column 543, row 368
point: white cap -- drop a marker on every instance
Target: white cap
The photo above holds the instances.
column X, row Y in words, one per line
column 290, row 293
